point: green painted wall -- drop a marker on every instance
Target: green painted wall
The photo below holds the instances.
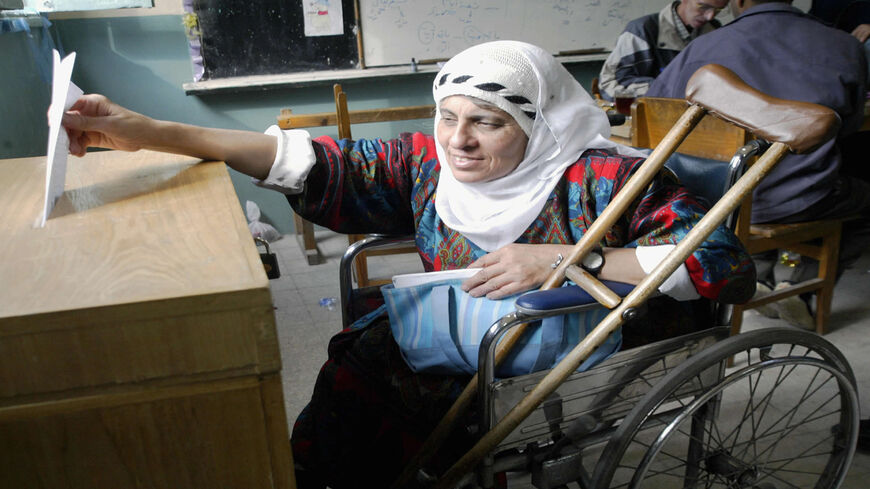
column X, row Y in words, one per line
column 142, row 62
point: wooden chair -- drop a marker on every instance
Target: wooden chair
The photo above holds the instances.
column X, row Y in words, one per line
column 342, row 118
column 716, row 139
column 594, row 90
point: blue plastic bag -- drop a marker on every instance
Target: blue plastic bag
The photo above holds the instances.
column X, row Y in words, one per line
column 438, row 328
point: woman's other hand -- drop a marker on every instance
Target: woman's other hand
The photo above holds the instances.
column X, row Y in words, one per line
column 520, row 267
column 513, row 269
column 94, row 120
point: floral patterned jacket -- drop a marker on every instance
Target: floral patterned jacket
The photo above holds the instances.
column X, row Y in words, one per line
column 377, row 186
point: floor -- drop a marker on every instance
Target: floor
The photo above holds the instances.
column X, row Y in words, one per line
column 306, row 320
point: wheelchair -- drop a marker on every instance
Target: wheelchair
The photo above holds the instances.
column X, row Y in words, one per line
column 765, row 409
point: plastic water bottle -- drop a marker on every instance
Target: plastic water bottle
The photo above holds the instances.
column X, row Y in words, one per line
column 328, row 303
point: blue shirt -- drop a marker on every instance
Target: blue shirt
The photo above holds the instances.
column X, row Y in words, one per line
column 787, row 54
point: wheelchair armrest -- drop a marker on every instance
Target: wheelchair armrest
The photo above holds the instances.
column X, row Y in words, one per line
column 345, row 282
column 548, row 301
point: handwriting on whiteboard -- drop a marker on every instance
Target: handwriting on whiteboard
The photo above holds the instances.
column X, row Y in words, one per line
column 394, row 31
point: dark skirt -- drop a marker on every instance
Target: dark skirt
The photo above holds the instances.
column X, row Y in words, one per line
column 370, row 413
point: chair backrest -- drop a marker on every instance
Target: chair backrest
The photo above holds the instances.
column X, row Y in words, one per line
column 594, row 89
column 713, row 138
column 342, row 118
column 703, row 161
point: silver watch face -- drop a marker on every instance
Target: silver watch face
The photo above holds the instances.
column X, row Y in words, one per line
column 593, row 261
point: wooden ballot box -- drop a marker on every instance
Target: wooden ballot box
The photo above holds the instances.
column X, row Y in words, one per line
column 137, row 336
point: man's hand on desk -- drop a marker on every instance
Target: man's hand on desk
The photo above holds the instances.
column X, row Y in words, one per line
column 862, row 32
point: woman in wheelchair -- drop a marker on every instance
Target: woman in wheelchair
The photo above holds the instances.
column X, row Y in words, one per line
column 518, row 168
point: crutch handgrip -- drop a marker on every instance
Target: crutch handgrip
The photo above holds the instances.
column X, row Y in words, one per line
column 801, row 126
column 593, row 286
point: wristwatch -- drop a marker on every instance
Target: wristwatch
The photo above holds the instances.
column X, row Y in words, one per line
column 593, row 262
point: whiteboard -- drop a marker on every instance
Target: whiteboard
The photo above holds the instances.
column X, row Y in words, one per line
column 394, row 31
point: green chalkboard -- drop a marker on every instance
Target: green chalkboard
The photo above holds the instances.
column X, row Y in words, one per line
column 263, row 37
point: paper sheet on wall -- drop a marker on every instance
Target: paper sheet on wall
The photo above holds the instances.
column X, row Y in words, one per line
column 323, row 17
column 63, row 94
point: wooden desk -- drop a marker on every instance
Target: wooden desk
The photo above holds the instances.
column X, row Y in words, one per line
column 137, row 336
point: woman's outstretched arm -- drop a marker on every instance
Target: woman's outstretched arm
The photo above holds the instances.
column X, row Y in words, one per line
column 95, row 121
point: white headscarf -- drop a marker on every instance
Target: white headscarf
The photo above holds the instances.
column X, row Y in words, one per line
column 521, row 79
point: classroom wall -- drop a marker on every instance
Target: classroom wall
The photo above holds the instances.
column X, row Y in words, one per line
column 141, row 62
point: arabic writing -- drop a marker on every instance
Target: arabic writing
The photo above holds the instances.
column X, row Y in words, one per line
column 394, row 31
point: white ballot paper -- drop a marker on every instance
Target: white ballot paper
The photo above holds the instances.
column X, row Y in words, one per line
column 412, row 279
column 63, row 94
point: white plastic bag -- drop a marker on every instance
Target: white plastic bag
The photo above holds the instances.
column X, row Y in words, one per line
column 259, row 229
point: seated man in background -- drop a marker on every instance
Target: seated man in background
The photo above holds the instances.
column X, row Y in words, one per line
column 650, row 42
column 788, row 54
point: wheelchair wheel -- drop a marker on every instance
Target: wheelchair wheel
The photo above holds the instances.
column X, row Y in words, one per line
column 785, row 415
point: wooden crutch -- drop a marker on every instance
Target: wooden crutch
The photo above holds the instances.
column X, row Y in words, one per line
column 798, row 126
column 789, row 125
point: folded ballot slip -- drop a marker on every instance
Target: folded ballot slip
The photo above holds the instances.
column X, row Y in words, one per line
column 411, row 279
